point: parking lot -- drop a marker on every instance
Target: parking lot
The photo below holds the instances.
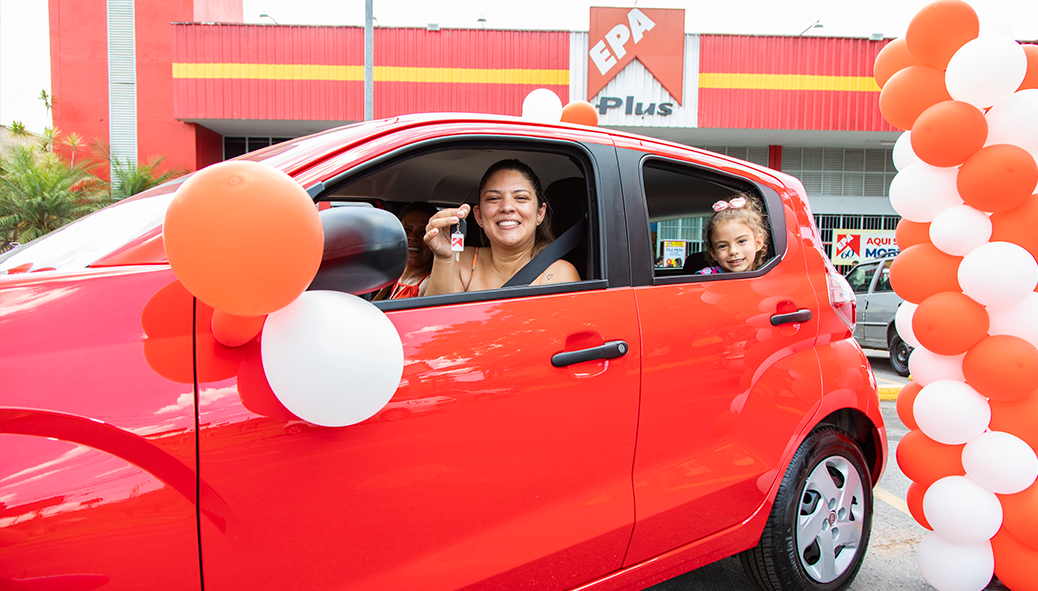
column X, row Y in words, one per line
column 890, row 561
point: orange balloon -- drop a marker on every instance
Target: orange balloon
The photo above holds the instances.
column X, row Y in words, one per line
column 905, row 400
column 909, row 92
column 939, row 30
column 926, row 461
column 1018, row 225
column 1014, row 562
column 997, row 178
column 948, row 133
column 1002, row 367
column 1017, row 417
column 1020, row 515
column 581, row 113
column 893, row 58
column 243, row 237
column 1031, row 77
column 234, row 331
column 910, row 233
column 915, row 495
column 254, row 389
column 950, row 323
column 922, row 270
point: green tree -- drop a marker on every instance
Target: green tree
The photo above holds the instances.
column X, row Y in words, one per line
column 130, row 178
column 39, row 193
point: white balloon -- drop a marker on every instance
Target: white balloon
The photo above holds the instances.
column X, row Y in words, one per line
column 920, row 191
column 1014, row 120
column 331, row 358
column 542, row 105
column 955, row 567
column 1018, row 320
column 959, row 229
column 998, row 274
column 903, row 323
column 904, row 156
column 950, row 412
column 986, row 70
column 962, row 511
column 928, row 367
column 1000, row 462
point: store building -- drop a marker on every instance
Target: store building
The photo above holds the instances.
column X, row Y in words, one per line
column 191, row 82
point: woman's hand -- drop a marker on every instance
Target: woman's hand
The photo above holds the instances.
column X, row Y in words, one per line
column 438, row 232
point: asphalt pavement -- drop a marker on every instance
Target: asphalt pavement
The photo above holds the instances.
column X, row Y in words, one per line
column 890, row 559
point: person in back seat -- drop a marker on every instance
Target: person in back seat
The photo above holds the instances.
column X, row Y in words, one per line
column 415, row 278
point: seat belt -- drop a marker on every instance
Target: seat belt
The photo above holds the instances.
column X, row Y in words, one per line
column 553, row 252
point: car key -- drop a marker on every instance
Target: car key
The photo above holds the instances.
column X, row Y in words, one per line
column 458, row 238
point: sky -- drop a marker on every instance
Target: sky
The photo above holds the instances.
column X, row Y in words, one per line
column 25, row 59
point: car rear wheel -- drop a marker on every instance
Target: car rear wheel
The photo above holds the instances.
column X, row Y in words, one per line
column 899, row 353
column 818, row 530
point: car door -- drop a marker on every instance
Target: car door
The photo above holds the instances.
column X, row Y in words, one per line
column 490, row 468
column 861, row 278
column 882, row 305
column 724, row 389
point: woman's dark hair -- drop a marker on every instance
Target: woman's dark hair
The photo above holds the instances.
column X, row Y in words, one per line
column 420, row 206
column 544, row 235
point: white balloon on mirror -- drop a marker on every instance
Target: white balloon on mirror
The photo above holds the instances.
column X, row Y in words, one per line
column 959, row 229
column 950, row 411
column 986, row 70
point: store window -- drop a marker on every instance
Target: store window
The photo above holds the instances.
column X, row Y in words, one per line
column 234, row 146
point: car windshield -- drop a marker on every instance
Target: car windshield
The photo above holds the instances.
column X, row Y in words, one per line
column 86, row 240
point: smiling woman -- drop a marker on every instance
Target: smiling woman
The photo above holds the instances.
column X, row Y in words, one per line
column 513, row 214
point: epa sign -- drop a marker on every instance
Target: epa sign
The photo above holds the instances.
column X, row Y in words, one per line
column 655, row 36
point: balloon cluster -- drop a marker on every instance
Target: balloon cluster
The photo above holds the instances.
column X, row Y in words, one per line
column 545, row 106
column 247, row 240
column 966, row 189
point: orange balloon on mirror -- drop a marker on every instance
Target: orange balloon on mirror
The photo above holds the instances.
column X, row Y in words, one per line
column 1002, row 367
column 910, row 233
column 909, row 92
column 939, row 30
column 1018, row 225
column 948, row 133
column 1014, row 562
column 1031, row 77
column 950, row 323
column 997, row 178
column 1020, row 515
column 1016, row 417
column 581, row 113
column 905, row 400
column 926, row 461
column 922, row 270
column 243, row 237
column 893, row 58
column 914, row 498
column 234, row 331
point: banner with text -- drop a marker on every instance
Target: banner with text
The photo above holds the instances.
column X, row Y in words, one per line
column 853, row 246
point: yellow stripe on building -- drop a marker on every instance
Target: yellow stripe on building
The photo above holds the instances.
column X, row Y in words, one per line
column 788, row 82
column 382, row 73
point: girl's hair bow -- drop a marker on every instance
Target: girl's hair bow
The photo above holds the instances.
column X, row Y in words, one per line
column 736, row 203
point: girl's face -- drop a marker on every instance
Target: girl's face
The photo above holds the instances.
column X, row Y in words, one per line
column 508, row 211
column 734, row 246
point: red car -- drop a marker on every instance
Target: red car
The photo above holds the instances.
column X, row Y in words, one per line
column 609, row 433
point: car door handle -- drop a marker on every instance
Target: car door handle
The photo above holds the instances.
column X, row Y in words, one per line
column 610, row 350
column 801, row 315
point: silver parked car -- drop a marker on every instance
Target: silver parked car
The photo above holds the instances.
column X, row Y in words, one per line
column 877, row 304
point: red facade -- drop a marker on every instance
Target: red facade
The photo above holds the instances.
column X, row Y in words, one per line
column 317, row 73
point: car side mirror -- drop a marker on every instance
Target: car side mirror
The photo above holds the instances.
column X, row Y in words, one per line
column 364, row 249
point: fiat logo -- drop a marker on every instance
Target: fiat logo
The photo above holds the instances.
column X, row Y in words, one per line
column 832, row 518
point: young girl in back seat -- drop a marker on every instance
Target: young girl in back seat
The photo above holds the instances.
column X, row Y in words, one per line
column 735, row 236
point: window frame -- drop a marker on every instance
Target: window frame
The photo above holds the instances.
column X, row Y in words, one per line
column 592, row 159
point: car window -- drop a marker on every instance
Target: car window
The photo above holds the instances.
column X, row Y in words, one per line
column 860, row 277
column 448, row 176
column 680, row 202
column 883, row 284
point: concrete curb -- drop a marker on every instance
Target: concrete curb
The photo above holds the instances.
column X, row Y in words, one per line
column 889, row 392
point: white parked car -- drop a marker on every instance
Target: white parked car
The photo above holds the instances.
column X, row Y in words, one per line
column 877, row 304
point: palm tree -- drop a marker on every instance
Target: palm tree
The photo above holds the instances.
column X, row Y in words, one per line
column 40, row 193
column 73, row 142
column 130, row 178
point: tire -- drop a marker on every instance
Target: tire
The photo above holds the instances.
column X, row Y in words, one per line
column 825, row 497
column 899, row 354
